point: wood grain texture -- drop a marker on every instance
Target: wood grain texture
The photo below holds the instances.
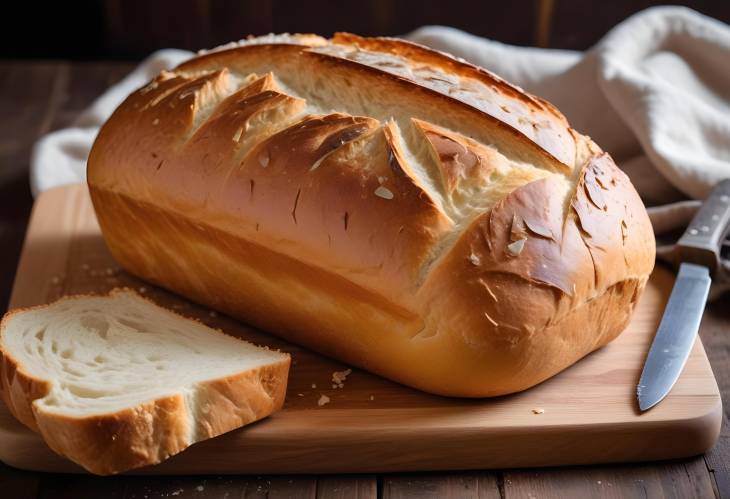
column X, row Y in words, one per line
column 371, row 424
column 715, row 333
column 29, row 98
column 35, row 98
column 132, row 29
column 347, row 487
column 199, row 487
column 671, row 480
column 456, row 485
column 85, row 81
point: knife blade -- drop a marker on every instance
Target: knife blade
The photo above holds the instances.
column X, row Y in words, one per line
column 699, row 256
column 676, row 335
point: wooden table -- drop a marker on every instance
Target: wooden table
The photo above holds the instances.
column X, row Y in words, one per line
column 37, row 97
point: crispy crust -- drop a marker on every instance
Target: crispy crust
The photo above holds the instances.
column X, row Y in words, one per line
column 555, row 139
column 462, row 251
column 150, row 432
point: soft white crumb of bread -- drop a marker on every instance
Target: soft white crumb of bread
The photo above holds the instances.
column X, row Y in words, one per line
column 104, row 354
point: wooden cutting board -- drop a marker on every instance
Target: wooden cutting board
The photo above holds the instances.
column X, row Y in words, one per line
column 373, row 425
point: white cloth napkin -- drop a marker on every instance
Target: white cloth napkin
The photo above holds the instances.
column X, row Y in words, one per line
column 654, row 92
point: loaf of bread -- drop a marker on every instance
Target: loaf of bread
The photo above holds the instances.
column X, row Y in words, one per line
column 379, row 202
column 116, row 382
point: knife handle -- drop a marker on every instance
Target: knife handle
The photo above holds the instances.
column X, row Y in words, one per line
column 703, row 238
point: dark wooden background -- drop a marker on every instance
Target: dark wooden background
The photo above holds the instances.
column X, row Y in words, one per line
column 56, row 57
column 130, row 29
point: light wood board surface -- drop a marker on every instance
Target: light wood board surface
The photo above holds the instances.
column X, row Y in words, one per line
column 373, row 425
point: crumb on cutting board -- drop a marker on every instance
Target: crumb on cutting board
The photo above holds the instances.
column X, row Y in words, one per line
column 324, row 399
column 339, row 377
column 538, row 410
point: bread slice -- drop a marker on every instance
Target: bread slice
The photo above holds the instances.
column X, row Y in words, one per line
column 116, row 382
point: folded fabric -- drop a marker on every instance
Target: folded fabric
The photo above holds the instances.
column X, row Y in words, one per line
column 653, row 93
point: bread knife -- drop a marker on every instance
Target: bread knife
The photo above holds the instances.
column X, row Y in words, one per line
column 699, row 256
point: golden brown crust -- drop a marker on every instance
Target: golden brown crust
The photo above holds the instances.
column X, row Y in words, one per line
column 19, row 390
column 127, row 439
column 533, row 287
column 149, row 432
column 457, row 159
column 534, row 117
column 394, row 207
